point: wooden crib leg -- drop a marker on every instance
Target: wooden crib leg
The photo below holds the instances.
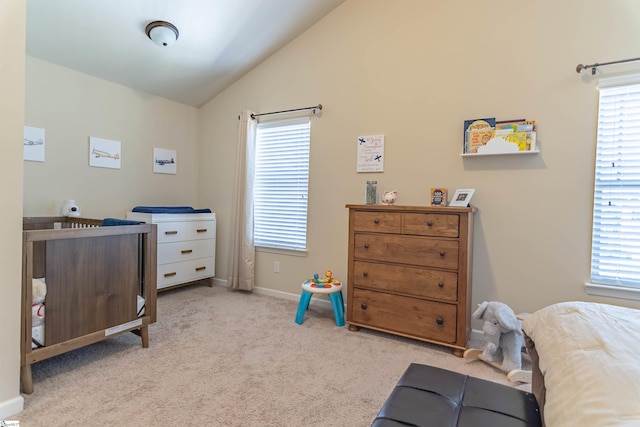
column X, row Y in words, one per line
column 144, row 334
column 26, row 379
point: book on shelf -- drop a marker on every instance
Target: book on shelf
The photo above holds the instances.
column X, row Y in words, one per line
column 476, row 124
column 478, row 138
column 439, row 196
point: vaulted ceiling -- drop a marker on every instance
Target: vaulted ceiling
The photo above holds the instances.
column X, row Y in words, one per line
column 219, row 40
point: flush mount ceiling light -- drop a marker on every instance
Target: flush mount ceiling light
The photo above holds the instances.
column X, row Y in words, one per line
column 162, row 33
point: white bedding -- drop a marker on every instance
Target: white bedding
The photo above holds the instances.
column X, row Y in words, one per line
column 590, row 361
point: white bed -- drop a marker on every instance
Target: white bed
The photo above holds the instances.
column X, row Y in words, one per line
column 586, row 353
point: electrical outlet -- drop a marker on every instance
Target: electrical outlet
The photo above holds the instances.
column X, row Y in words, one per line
column 276, row 266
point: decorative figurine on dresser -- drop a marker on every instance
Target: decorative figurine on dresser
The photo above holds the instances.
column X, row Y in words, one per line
column 409, row 272
column 186, row 243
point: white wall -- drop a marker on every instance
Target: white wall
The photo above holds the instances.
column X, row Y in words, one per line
column 12, row 39
column 71, row 107
column 414, row 71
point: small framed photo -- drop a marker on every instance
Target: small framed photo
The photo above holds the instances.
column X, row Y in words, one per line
column 462, row 197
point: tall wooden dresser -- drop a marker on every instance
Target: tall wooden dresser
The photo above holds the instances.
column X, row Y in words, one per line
column 410, row 272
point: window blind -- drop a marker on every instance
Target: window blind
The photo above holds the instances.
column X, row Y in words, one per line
column 282, row 183
column 615, row 252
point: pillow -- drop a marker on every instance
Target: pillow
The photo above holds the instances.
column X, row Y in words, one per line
column 591, row 370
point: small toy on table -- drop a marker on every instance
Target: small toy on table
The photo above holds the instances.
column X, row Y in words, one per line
column 325, row 282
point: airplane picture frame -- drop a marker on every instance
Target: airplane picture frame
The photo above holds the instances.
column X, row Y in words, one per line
column 165, row 161
column 104, row 153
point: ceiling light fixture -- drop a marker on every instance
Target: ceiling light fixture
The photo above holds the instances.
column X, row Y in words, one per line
column 162, row 33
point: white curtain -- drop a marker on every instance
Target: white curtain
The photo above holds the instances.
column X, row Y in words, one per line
column 242, row 251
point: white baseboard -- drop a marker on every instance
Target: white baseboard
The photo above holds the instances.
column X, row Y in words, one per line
column 11, row 407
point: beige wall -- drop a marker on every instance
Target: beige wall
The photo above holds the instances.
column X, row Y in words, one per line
column 413, row 71
column 12, row 39
column 71, row 107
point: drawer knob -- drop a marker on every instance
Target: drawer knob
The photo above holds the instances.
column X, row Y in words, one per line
column 365, row 273
column 170, row 232
column 366, row 246
column 201, row 230
column 440, row 284
column 442, row 253
column 186, row 251
column 200, row 268
column 363, row 306
column 430, row 223
column 170, row 274
column 439, row 320
column 376, row 221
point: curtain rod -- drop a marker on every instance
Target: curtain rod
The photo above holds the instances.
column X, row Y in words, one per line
column 315, row 107
column 580, row 67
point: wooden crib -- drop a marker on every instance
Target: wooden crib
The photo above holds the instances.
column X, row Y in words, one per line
column 94, row 275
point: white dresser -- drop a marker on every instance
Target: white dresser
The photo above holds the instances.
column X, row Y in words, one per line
column 186, row 247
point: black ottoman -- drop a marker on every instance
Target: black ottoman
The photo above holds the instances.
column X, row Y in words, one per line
column 432, row 397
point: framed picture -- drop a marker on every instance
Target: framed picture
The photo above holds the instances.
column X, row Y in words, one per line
column 462, row 197
column 104, row 153
column 164, row 161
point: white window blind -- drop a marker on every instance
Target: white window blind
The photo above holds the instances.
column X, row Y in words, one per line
column 282, row 184
column 615, row 251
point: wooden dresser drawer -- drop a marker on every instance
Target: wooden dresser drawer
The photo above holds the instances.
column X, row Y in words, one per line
column 378, row 222
column 420, row 282
column 414, row 250
column 404, row 315
column 427, row 224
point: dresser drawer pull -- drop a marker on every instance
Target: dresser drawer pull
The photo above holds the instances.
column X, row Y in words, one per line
column 430, row 223
column 442, row 253
column 363, row 306
column 186, row 251
column 200, row 268
column 365, row 273
column 439, row 320
column 376, row 221
column 441, row 285
column 366, row 246
column 170, row 274
column 201, row 230
column 170, row 232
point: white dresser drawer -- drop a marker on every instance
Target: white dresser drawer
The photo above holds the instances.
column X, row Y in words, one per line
column 179, row 272
column 182, row 230
column 185, row 251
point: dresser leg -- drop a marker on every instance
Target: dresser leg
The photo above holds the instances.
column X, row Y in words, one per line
column 354, row 328
column 457, row 352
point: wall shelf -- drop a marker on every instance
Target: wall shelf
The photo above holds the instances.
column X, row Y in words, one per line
column 511, row 153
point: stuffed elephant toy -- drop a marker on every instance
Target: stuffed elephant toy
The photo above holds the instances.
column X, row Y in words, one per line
column 503, row 337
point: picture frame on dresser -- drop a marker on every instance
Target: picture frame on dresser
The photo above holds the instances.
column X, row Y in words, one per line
column 462, row 197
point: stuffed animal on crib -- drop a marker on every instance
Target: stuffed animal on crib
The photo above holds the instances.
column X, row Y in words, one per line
column 38, row 296
column 503, row 337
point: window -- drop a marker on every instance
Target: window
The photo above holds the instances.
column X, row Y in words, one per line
column 281, row 184
column 615, row 250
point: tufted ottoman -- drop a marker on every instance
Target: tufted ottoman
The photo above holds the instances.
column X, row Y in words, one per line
column 434, row 397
